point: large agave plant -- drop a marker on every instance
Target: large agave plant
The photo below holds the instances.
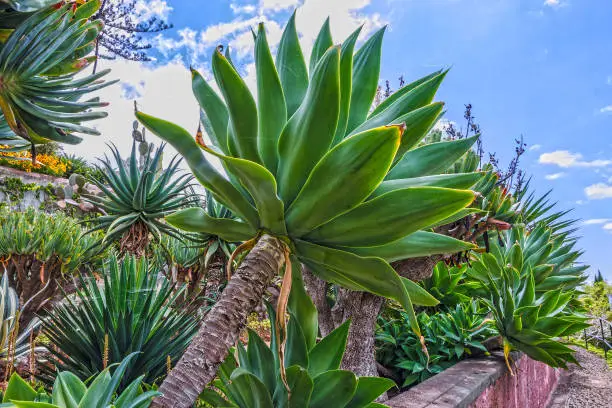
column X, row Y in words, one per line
column 46, row 47
column 135, row 199
column 69, row 391
column 316, row 173
column 134, row 311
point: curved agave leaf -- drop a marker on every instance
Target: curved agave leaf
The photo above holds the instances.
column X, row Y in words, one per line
column 291, row 67
column 310, row 131
column 391, row 216
column 195, row 219
column 343, row 178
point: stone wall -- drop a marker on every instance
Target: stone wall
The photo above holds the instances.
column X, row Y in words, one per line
column 20, row 189
column 484, row 383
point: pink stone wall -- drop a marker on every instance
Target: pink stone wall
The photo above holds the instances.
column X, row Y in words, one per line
column 530, row 387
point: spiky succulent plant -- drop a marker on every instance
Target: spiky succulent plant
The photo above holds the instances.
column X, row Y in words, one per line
column 528, row 285
column 315, row 172
column 135, row 200
column 42, row 50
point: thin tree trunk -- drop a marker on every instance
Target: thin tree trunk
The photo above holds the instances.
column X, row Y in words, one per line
column 222, row 327
column 215, row 276
column 362, row 308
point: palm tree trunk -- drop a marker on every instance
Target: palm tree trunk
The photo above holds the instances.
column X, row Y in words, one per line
column 222, row 326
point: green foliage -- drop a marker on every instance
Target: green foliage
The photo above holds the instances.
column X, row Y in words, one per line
column 134, row 197
column 306, row 160
column 70, row 392
column 40, row 59
column 134, row 311
column 529, row 297
column 46, row 237
column 451, row 336
column 312, row 369
column 596, row 301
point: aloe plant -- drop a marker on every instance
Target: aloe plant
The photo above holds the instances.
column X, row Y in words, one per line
column 69, row 391
column 43, row 48
column 135, row 199
column 134, row 311
column 312, row 173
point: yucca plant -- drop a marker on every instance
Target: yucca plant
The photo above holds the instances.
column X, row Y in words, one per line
column 69, row 391
column 135, row 199
column 42, row 49
column 311, row 376
column 530, row 305
column 314, row 173
column 41, row 252
column 133, row 312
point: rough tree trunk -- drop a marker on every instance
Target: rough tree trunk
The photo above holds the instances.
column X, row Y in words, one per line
column 215, row 276
column 362, row 308
column 222, row 326
column 135, row 241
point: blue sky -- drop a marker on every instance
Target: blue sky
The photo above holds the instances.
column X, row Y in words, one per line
column 537, row 68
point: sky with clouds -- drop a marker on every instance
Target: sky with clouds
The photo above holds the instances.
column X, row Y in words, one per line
column 541, row 69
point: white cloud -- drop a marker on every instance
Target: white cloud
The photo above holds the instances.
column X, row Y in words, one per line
column 606, row 109
column 554, row 176
column 164, row 92
column 553, row 3
column 152, row 8
column 278, row 5
column 609, row 80
column 535, row 148
column 566, row 159
column 596, row 221
column 608, row 227
column 598, row 191
column 246, row 9
column 345, row 15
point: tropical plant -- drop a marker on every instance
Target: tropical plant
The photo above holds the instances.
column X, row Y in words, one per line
column 135, row 200
column 528, row 297
column 41, row 252
column 448, row 284
column 451, row 336
column 69, row 391
column 596, row 299
column 313, row 173
column 133, row 312
column 311, row 375
column 43, row 47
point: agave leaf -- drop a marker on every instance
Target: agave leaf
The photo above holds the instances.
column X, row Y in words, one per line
column 336, row 385
column 457, row 180
column 322, row 43
column 418, row 244
column 366, row 70
column 346, row 83
column 391, row 216
column 345, row 176
column 261, row 185
column 241, row 108
column 185, row 144
column 271, row 102
column 214, row 111
column 195, row 219
column 430, row 159
column 291, row 67
column 310, row 131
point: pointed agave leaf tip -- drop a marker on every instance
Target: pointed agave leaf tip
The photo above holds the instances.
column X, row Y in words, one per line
column 220, row 49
